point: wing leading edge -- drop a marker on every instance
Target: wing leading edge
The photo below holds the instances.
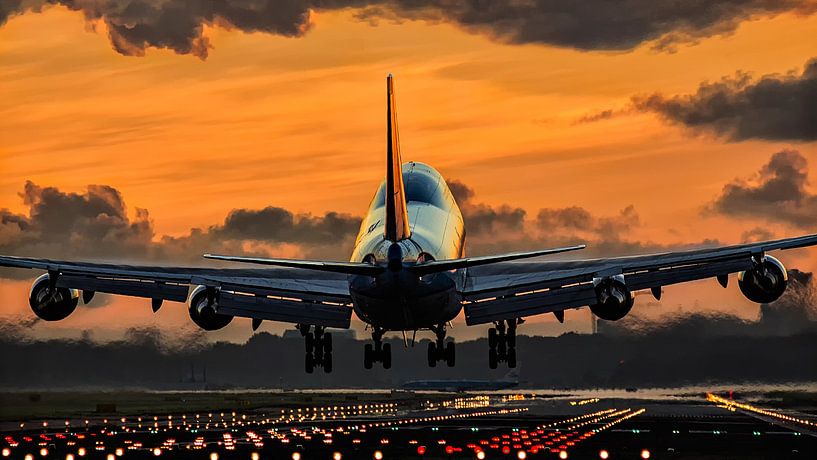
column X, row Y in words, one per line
column 513, row 290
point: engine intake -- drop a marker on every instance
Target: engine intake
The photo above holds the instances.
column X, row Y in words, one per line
column 764, row 283
column 51, row 303
column 614, row 299
column 202, row 309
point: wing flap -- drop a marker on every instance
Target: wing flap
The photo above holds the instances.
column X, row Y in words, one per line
column 130, row 287
column 288, row 311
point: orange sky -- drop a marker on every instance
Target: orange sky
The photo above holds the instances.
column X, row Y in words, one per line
column 299, row 123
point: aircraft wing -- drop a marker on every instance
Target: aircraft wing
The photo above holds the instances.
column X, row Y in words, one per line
column 291, row 295
column 509, row 290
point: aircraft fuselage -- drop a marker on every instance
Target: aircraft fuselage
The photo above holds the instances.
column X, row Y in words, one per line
column 397, row 299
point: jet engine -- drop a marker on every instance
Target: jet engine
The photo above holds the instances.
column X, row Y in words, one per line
column 764, row 283
column 614, row 299
column 202, row 309
column 51, row 303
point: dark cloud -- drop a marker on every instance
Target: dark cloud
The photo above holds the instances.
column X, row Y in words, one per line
column 597, row 116
column 774, row 107
column 778, row 193
column 135, row 25
column 96, row 225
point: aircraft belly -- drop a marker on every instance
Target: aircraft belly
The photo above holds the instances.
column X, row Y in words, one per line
column 424, row 305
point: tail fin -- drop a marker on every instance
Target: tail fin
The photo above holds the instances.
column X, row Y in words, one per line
column 397, row 224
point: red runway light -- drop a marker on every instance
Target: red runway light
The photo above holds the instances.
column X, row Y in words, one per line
column 421, row 450
column 506, row 450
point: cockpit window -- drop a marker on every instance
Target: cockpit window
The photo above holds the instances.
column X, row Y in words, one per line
column 420, row 186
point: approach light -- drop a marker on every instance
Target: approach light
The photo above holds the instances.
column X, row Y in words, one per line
column 157, row 452
column 6, row 452
column 521, row 455
column 43, row 452
column 254, row 456
column 337, row 456
column 109, row 457
column 214, row 456
column 378, row 455
column 645, row 454
column 296, row 456
column 69, row 457
column 604, row 454
column 481, row 455
column 81, row 452
column 563, row 454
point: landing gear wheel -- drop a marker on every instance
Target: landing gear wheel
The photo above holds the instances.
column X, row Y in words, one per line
column 386, row 358
column 310, row 342
column 367, row 356
column 327, row 342
column 450, row 356
column 309, row 363
column 512, row 357
column 432, row 354
column 492, row 340
column 327, row 362
column 492, row 358
column 511, row 338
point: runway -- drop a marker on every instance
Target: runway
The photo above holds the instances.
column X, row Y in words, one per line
column 388, row 425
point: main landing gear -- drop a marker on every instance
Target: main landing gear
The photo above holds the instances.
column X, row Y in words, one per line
column 502, row 343
column 441, row 351
column 318, row 348
column 380, row 352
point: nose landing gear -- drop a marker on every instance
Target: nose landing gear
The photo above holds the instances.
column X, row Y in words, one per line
column 502, row 343
column 379, row 352
column 318, row 348
column 440, row 350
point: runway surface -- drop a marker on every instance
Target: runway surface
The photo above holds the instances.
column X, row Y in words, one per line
column 415, row 425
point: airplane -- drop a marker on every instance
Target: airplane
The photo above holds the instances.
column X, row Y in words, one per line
column 408, row 272
column 510, row 380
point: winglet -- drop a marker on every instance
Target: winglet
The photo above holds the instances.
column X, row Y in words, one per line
column 397, row 224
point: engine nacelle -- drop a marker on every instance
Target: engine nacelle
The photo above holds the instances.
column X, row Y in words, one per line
column 614, row 299
column 51, row 303
column 764, row 283
column 202, row 309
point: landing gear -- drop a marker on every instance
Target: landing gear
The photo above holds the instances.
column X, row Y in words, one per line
column 318, row 348
column 440, row 350
column 502, row 343
column 379, row 352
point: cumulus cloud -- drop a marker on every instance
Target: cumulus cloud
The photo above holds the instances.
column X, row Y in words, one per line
column 778, row 192
column 774, row 107
column 135, row 25
column 496, row 229
column 95, row 224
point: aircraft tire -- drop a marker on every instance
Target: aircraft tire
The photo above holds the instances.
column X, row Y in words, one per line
column 492, row 340
column 492, row 358
column 432, row 354
column 309, row 363
column 327, row 342
column 386, row 356
column 367, row 356
column 512, row 357
column 450, row 354
column 327, row 362
column 511, row 339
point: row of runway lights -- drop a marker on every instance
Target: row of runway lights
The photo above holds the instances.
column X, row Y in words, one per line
column 731, row 405
column 286, row 416
column 518, row 436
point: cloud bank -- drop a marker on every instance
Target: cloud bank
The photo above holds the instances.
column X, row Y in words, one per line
column 178, row 25
column 774, row 107
column 778, row 192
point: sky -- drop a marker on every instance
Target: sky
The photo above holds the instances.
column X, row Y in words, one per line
column 153, row 131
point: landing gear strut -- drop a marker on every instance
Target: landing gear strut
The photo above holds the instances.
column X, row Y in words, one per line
column 502, row 343
column 379, row 352
column 318, row 348
column 440, row 350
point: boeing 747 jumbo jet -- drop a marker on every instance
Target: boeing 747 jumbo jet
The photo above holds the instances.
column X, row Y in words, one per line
column 408, row 272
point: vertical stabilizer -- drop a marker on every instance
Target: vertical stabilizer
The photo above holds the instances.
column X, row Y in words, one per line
column 397, row 224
